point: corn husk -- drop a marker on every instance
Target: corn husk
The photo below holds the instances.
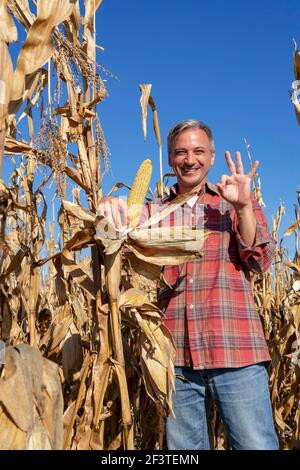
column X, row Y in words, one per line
column 34, row 384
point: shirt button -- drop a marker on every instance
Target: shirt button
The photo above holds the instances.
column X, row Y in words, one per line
column 191, row 281
column 191, row 306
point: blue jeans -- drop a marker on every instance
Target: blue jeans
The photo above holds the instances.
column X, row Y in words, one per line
column 243, row 401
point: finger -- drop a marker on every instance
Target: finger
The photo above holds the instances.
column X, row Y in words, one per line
column 103, row 205
column 239, row 163
column 123, row 211
column 111, row 212
column 120, row 213
column 225, row 180
column 107, row 212
column 220, row 188
column 230, row 163
column 116, row 214
column 253, row 169
column 100, row 210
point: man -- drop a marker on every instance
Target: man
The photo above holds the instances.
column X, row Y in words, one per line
column 209, row 307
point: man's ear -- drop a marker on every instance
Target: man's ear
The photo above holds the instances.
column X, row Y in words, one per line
column 212, row 161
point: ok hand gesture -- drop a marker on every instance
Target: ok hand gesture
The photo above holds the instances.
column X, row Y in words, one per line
column 236, row 188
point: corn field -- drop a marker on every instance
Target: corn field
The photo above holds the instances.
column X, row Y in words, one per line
column 88, row 361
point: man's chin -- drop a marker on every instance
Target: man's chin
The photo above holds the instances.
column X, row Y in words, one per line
column 183, row 189
column 190, row 183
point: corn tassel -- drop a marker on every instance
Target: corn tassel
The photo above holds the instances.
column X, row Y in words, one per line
column 138, row 192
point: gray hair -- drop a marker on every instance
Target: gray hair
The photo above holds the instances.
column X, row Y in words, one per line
column 189, row 124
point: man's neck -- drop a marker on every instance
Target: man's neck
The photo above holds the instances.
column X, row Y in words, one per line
column 197, row 189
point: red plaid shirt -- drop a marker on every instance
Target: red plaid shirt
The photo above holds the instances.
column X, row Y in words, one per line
column 209, row 307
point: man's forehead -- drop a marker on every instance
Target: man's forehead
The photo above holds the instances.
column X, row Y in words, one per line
column 197, row 145
column 192, row 135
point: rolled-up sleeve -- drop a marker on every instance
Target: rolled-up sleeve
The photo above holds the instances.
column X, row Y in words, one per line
column 258, row 257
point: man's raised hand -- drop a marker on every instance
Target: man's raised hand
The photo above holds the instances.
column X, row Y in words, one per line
column 236, row 188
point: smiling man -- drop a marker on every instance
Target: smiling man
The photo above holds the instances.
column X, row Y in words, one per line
column 208, row 304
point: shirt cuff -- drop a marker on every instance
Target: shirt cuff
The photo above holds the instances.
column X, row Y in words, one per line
column 262, row 237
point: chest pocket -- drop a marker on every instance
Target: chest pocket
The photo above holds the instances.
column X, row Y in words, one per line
column 217, row 221
column 221, row 242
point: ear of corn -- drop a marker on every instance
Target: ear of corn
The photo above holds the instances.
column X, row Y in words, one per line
column 138, row 192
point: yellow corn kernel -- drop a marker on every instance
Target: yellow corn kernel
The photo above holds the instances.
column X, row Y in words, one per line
column 138, row 192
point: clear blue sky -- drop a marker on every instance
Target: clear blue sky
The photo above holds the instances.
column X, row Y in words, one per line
column 228, row 63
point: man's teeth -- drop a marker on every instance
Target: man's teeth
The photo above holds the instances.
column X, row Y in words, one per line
column 190, row 170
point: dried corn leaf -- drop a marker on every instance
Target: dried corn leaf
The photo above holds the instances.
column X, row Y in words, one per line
column 142, row 273
column 76, row 177
column 77, row 274
column 169, row 239
column 91, row 6
column 12, row 145
column 21, row 10
column 56, row 334
column 157, row 356
column 75, row 17
column 12, row 437
column 146, row 90
column 8, row 30
column 110, row 246
column 132, row 298
column 155, row 121
column 292, row 229
column 34, row 289
column 116, row 443
column 33, row 383
column 166, row 210
column 84, row 161
column 102, row 374
column 181, row 244
column 15, row 263
column 294, row 266
column 71, row 412
column 38, row 47
column 290, row 400
column 6, row 71
column 35, row 84
column 161, row 257
column 78, row 211
column 80, row 240
column 72, row 357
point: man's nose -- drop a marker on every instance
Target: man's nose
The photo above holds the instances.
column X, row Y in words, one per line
column 190, row 157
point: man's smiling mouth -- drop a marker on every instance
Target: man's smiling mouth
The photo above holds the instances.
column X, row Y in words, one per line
column 189, row 170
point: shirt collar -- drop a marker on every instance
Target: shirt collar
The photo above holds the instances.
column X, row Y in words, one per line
column 208, row 187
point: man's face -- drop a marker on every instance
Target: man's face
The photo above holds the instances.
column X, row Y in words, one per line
column 191, row 159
